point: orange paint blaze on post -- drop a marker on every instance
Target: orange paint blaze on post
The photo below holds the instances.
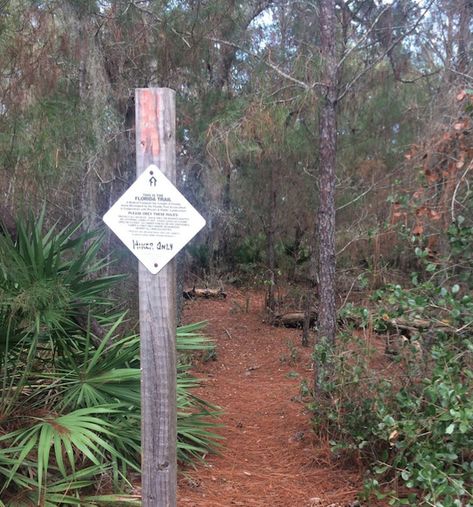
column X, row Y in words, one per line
column 149, row 107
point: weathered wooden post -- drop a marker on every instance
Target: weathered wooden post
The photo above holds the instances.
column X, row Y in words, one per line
column 155, row 144
column 155, row 221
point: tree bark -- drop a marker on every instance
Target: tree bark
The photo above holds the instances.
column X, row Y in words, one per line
column 464, row 36
column 271, row 301
column 326, row 214
column 307, row 318
column 312, row 289
column 94, row 90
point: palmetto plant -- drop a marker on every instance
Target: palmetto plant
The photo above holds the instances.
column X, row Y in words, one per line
column 47, row 279
column 67, row 491
column 69, row 396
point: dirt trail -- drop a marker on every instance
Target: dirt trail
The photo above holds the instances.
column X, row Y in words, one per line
column 270, row 456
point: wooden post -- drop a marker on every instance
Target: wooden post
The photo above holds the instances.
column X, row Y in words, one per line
column 155, row 144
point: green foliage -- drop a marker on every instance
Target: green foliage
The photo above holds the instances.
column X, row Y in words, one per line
column 460, row 238
column 47, row 278
column 42, row 144
column 415, row 428
column 190, row 338
column 80, row 431
column 200, row 256
column 430, row 430
column 249, row 253
column 382, row 108
column 70, row 400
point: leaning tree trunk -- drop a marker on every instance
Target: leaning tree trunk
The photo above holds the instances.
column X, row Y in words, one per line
column 326, row 213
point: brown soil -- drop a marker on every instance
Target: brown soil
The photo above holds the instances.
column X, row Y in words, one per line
column 270, row 455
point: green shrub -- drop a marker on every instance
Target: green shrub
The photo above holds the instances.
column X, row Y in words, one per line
column 415, row 428
column 201, row 256
column 249, row 252
column 70, row 378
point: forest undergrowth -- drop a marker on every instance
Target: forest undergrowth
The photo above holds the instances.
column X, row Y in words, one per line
column 70, row 421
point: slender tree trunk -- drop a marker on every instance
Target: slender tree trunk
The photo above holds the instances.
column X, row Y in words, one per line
column 464, row 36
column 312, row 289
column 326, row 213
column 94, row 91
column 225, row 219
column 449, row 42
column 295, row 251
column 226, row 199
column 271, row 302
column 306, row 325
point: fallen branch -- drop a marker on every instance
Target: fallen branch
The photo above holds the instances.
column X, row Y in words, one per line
column 407, row 326
column 414, row 326
column 204, row 293
column 294, row 319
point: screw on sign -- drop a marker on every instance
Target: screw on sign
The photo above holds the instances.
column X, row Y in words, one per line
column 155, row 221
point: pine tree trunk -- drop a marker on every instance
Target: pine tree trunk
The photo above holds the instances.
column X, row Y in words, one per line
column 226, row 217
column 326, row 212
column 271, row 300
column 464, row 36
column 307, row 315
column 312, row 290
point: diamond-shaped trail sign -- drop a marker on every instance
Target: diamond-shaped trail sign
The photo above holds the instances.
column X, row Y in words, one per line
column 153, row 219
